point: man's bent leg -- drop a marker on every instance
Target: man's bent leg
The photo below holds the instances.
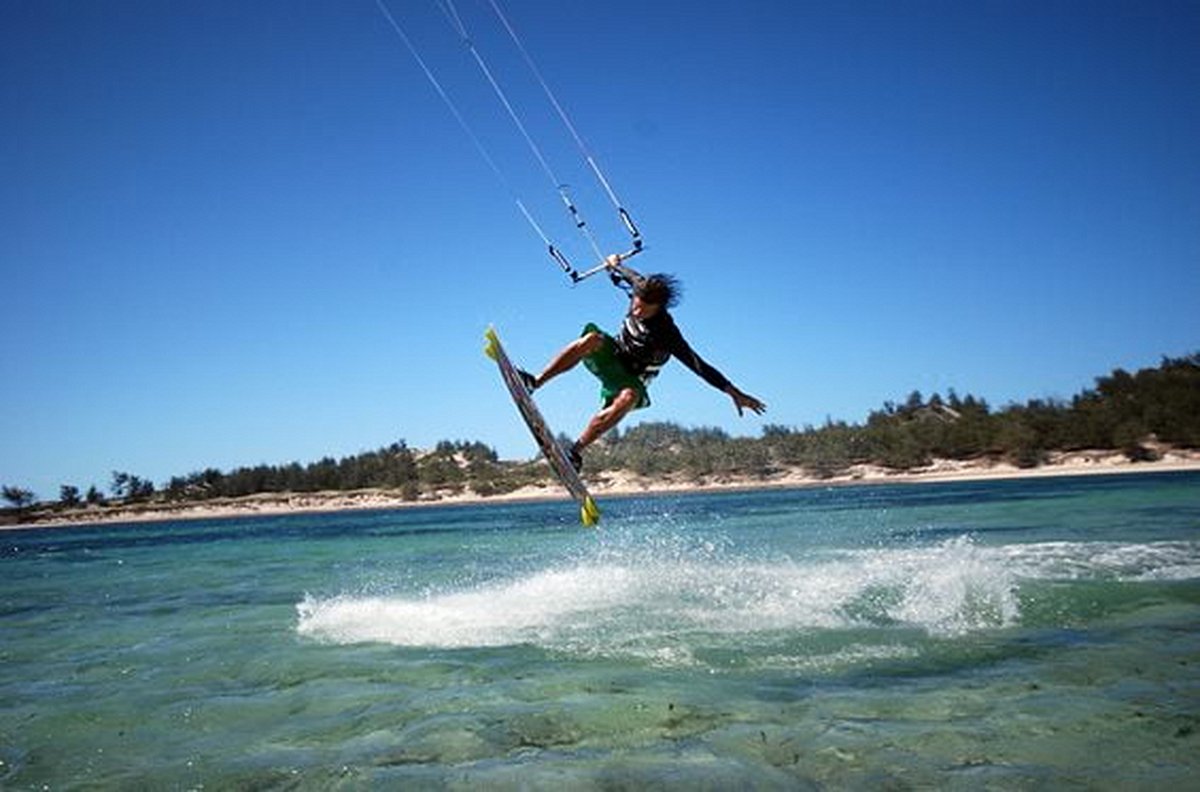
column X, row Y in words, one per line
column 570, row 356
column 609, row 417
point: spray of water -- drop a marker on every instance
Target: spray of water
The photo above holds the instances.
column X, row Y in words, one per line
column 670, row 598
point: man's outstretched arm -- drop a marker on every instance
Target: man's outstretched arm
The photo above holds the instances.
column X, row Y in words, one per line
column 741, row 400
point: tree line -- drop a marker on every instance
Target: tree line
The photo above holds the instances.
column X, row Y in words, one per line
column 1132, row 413
column 1124, row 411
column 450, row 466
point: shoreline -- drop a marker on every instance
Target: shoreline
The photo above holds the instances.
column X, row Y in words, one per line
column 617, row 484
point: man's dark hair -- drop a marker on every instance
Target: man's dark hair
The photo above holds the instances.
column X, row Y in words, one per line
column 661, row 289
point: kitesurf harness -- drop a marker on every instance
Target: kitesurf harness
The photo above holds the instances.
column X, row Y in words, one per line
column 611, row 264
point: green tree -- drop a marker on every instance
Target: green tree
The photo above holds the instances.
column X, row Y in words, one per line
column 1018, row 441
column 970, row 430
column 130, row 487
column 831, row 449
column 68, row 496
column 19, row 498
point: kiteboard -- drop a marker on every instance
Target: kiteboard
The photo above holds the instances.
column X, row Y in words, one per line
column 589, row 513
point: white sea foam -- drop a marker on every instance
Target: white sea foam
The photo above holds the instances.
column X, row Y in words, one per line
column 946, row 589
column 526, row 610
column 1119, row 561
column 664, row 601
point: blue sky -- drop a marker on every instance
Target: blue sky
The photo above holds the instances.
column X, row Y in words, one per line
column 237, row 232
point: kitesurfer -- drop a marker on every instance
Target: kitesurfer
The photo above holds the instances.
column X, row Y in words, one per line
column 626, row 363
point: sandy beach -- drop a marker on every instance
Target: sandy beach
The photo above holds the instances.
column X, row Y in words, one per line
column 621, row 483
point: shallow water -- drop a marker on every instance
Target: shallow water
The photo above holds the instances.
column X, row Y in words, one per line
column 1003, row 635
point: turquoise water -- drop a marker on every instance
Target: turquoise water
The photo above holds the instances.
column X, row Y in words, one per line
column 1000, row 635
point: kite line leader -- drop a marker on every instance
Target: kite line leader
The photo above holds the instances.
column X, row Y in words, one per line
column 611, row 263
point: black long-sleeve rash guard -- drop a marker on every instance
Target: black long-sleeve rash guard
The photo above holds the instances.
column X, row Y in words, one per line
column 646, row 346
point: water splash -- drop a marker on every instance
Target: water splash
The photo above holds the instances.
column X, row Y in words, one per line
column 670, row 599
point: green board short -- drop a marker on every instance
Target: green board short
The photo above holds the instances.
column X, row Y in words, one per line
column 611, row 372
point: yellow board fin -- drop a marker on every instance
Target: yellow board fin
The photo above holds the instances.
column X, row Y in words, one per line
column 589, row 513
column 491, row 343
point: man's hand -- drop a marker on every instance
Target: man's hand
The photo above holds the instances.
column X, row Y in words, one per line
column 744, row 401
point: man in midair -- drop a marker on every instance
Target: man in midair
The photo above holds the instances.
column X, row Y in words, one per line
column 626, row 363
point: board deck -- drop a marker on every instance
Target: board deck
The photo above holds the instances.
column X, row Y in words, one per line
column 589, row 513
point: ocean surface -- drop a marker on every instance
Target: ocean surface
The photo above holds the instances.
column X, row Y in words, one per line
column 1034, row 634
